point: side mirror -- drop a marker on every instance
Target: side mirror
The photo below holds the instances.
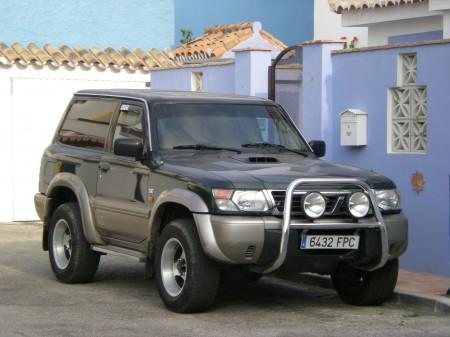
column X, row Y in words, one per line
column 128, row 147
column 319, row 147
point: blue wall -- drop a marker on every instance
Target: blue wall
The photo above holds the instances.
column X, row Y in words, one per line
column 104, row 23
column 409, row 38
column 361, row 80
column 144, row 23
column 290, row 21
column 180, row 78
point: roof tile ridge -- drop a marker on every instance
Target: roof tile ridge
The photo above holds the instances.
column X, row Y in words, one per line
column 57, row 56
column 41, row 54
column 89, row 57
column 26, row 56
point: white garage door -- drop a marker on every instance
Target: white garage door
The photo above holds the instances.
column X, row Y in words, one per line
column 38, row 105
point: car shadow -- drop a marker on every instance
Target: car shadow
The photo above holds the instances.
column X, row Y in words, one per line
column 124, row 278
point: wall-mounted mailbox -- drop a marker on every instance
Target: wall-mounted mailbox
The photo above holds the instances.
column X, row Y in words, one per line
column 353, row 127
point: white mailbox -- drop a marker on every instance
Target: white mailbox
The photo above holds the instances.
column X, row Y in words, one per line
column 353, row 127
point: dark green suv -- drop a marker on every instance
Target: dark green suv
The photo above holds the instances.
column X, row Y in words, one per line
column 201, row 185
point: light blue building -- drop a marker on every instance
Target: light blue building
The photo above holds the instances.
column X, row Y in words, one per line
column 143, row 23
column 402, row 82
column 407, row 131
column 291, row 21
column 103, row 23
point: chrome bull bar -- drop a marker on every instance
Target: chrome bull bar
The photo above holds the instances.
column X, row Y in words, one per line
column 287, row 225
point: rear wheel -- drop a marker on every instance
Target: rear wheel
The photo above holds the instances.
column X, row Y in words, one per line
column 366, row 287
column 187, row 280
column 71, row 257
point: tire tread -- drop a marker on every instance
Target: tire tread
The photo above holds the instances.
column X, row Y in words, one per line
column 203, row 280
column 84, row 261
column 377, row 287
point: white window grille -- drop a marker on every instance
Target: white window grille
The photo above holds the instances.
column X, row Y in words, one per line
column 197, row 81
column 407, row 124
column 408, row 69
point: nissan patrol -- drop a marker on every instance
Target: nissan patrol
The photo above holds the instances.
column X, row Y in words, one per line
column 199, row 185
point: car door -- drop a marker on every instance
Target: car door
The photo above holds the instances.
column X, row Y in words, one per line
column 122, row 212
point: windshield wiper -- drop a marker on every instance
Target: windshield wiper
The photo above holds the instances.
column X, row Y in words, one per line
column 276, row 146
column 204, row 147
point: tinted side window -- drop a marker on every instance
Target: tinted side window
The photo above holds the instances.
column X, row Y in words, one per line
column 87, row 122
column 129, row 123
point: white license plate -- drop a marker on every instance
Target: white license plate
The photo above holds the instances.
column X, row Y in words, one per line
column 329, row 242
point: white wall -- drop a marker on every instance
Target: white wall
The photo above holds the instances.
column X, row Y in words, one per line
column 328, row 26
column 444, row 6
column 6, row 141
column 380, row 32
column 354, row 18
column 439, row 5
column 446, row 24
column 393, row 21
column 32, row 101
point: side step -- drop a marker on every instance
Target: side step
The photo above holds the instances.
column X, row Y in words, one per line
column 113, row 250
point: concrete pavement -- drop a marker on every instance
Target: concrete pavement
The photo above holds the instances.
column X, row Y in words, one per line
column 119, row 302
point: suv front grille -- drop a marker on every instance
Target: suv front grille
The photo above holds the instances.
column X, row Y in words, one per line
column 336, row 203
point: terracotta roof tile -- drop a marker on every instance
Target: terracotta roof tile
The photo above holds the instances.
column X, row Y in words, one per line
column 41, row 55
column 57, row 56
column 72, row 55
column 118, row 59
column 273, row 40
column 342, row 5
column 132, row 59
column 218, row 40
column 24, row 54
column 104, row 58
column 218, row 51
column 87, row 58
column 10, row 55
column 146, row 58
column 160, row 58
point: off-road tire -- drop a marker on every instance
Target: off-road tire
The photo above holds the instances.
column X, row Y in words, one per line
column 202, row 276
column 367, row 288
column 83, row 261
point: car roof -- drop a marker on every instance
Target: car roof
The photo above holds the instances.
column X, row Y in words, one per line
column 152, row 95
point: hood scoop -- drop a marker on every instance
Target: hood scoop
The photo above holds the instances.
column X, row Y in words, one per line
column 257, row 159
column 262, row 160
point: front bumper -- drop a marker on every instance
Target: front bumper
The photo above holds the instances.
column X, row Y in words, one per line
column 231, row 239
column 267, row 242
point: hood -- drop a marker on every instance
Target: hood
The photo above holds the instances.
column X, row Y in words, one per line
column 260, row 170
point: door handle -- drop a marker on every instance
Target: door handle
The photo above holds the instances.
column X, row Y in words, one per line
column 104, row 167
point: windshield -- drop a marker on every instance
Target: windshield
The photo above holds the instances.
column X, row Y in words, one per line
column 226, row 126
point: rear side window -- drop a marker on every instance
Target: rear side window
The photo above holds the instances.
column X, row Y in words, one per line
column 87, row 122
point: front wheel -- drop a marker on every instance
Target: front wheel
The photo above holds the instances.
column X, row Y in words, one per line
column 187, row 280
column 71, row 257
column 366, row 287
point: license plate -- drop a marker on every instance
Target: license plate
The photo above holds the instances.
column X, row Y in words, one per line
column 329, row 242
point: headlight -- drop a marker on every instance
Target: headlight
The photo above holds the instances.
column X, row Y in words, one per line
column 387, row 200
column 358, row 204
column 249, row 201
column 314, row 205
